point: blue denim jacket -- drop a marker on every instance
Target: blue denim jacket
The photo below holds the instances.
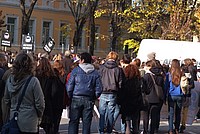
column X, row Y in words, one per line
column 82, row 83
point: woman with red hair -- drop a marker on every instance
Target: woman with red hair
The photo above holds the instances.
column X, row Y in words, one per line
column 131, row 98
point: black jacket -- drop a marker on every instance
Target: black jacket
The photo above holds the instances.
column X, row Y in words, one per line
column 159, row 79
column 130, row 97
column 111, row 76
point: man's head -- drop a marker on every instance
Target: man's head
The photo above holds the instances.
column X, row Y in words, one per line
column 151, row 56
column 86, row 58
column 67, row 53
column 112, row 55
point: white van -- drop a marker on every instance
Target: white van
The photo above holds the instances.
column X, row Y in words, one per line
column 167, row 50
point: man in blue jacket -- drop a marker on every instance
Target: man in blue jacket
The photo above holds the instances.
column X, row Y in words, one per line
column 83, row 87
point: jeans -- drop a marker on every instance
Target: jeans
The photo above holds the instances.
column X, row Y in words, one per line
column 81, row 107
column 107, row 106
column 116, row 115
column 175, row 105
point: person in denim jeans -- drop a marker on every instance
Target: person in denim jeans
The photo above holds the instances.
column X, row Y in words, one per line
column 83, row 87
column 111, row 76
column 175, row 95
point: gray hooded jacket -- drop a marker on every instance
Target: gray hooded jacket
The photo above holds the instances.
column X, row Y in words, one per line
column 32, row 106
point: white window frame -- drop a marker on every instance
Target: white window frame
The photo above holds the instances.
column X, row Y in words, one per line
column 50, row 30
column 64, row 6
column 33, row 29
column 67, row 38
column 13, row 1
column 47, row 3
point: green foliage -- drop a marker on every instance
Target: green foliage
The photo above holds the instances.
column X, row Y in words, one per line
column 158, row 19
column 145, row 18
column 100, row 12
column 132, row 44
column 197, row 21
column 66, row 29
column 2, row 24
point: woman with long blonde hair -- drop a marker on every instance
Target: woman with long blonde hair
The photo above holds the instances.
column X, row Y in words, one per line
column 175, row 95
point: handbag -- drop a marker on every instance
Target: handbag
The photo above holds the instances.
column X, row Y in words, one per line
column 184, row 84
column 11, row 127
column 159, row 90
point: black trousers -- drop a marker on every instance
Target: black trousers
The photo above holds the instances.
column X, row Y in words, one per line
column 151, row 112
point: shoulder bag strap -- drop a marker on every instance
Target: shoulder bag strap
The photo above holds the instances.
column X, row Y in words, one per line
column 23, row 93
column 152, row 78
column 154, row 82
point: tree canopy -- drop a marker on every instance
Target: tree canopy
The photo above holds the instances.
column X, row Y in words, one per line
column 167, row 19
column 2, row 24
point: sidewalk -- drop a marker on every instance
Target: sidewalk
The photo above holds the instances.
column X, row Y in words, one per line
column 193, row 129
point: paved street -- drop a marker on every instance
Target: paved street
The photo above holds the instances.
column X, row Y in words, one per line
column 194, row 129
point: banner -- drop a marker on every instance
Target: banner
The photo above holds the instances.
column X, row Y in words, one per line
column 27, row 42
column 6, row 39
column 49, row 46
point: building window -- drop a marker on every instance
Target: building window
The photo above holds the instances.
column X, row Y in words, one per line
column 46, row 31
column 47, row 3
column 32, row 27
column 97, row 38
column 12, row 28
column 13, row 1
column 64, row 35
column 64, row 6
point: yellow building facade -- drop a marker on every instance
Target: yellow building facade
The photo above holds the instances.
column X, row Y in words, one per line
column 46, row 21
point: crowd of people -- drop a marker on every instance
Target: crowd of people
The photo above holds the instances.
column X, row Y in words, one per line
column 124, row 88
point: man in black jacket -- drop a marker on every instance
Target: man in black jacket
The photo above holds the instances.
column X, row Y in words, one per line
column 111, row 76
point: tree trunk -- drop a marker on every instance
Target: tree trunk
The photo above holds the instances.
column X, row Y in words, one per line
column 93, row 6
column 25, row 25
column 26, row 14
column 92, row 35
column 78, row 34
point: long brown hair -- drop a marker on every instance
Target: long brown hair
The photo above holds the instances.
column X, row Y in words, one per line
column 131, row 71
column 58, row 65
column 44, row 68
column 22, row 66
column 176, row 72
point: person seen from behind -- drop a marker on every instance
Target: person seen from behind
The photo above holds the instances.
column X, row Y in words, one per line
column 48, row 79
column 152, row 56
column 189, row 71
column 175, row 96
column 3, row 69
column 152, row 78
column 60, row 97
column 83, row 87
column 111, row 77
column 32, row 106
column 67, row 61
column 131, row 98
